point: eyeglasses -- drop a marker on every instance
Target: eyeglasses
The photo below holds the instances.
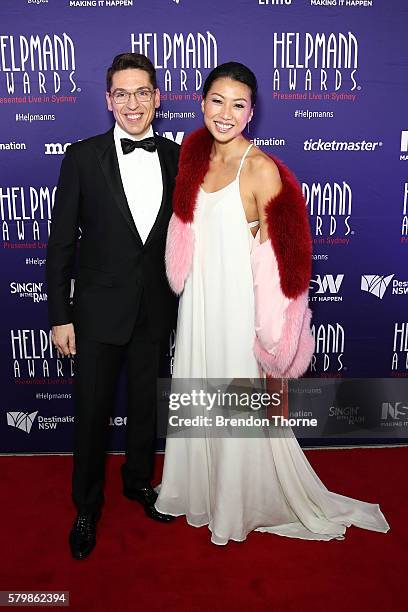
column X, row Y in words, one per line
column 121, row 96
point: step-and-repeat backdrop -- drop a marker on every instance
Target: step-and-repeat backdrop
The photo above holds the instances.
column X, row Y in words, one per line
column 332, row 105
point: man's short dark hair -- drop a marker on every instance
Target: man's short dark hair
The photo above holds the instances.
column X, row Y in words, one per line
column 131, row 60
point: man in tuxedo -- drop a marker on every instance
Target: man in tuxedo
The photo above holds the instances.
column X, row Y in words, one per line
column 117, row 188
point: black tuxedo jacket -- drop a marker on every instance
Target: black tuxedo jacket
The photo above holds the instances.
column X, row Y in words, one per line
column 114, row 266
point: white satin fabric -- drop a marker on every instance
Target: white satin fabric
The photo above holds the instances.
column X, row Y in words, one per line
column 237, row 485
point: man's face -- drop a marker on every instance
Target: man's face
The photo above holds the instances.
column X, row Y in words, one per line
column 133, row 116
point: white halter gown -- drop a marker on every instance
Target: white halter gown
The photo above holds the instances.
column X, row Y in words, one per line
column 237, row 485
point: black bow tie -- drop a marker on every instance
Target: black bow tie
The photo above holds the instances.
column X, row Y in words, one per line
column 148, row 144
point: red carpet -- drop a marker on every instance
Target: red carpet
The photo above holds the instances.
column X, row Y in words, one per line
column 141, row 565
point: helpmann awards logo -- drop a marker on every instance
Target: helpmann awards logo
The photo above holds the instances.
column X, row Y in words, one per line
column 25, row 214
column 315, row 66
column 399, row 355
column 327, row 359
column 182, row 60
column 330, row 212
column 37, row 68
column 34, row 359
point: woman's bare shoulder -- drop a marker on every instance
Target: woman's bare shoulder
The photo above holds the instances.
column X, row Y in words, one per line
column 263, row 172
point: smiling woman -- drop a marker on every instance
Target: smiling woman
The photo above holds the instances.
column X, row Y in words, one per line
column 243, row 313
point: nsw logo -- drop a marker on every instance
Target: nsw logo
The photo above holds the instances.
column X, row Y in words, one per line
column 326, row 284
column 395, row 411
column 21, row 420
column 375, row 284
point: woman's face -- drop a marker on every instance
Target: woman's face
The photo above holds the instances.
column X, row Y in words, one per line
column 227, row 108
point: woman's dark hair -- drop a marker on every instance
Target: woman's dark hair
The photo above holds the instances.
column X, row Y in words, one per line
column 131, row 60
column 236, row 72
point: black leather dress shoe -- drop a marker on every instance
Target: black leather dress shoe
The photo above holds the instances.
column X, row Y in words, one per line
column 147, row 498
column 82, row 538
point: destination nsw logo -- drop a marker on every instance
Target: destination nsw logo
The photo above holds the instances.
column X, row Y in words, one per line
column 35, row 68
column 377, row 285
column 21, row 420
column 25, row 421
column 320, row 66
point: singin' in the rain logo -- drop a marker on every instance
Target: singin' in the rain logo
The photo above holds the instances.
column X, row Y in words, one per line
column 29, row 290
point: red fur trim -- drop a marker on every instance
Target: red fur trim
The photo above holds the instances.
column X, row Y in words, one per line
column 193, row 166
column 289, row 231
column 288, row 225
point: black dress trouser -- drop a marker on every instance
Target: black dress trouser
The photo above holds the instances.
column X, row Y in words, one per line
column 97, row 369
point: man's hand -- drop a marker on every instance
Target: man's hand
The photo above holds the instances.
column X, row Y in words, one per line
column 63, row 337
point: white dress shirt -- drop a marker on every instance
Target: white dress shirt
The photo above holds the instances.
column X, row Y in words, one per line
column 141, row 176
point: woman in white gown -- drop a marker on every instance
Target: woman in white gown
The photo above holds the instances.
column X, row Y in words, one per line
column 232, row 204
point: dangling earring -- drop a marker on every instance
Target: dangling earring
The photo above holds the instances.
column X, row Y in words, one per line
column 247, row 125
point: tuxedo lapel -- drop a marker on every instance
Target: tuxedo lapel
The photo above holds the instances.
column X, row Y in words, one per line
column 110, row 167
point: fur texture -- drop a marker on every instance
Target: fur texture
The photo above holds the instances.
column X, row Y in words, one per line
column 179, row 252
column 295, row 348
column 290, row 241
column 288, row 224
column 193, row 166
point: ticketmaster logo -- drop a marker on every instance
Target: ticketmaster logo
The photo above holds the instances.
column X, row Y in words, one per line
column 21, row 420
column 337, row 145
column 375, row 284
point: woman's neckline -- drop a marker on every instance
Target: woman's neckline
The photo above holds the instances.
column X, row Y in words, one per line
column 218, row 190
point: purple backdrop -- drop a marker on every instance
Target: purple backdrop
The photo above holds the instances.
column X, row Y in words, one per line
column 332, row 106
